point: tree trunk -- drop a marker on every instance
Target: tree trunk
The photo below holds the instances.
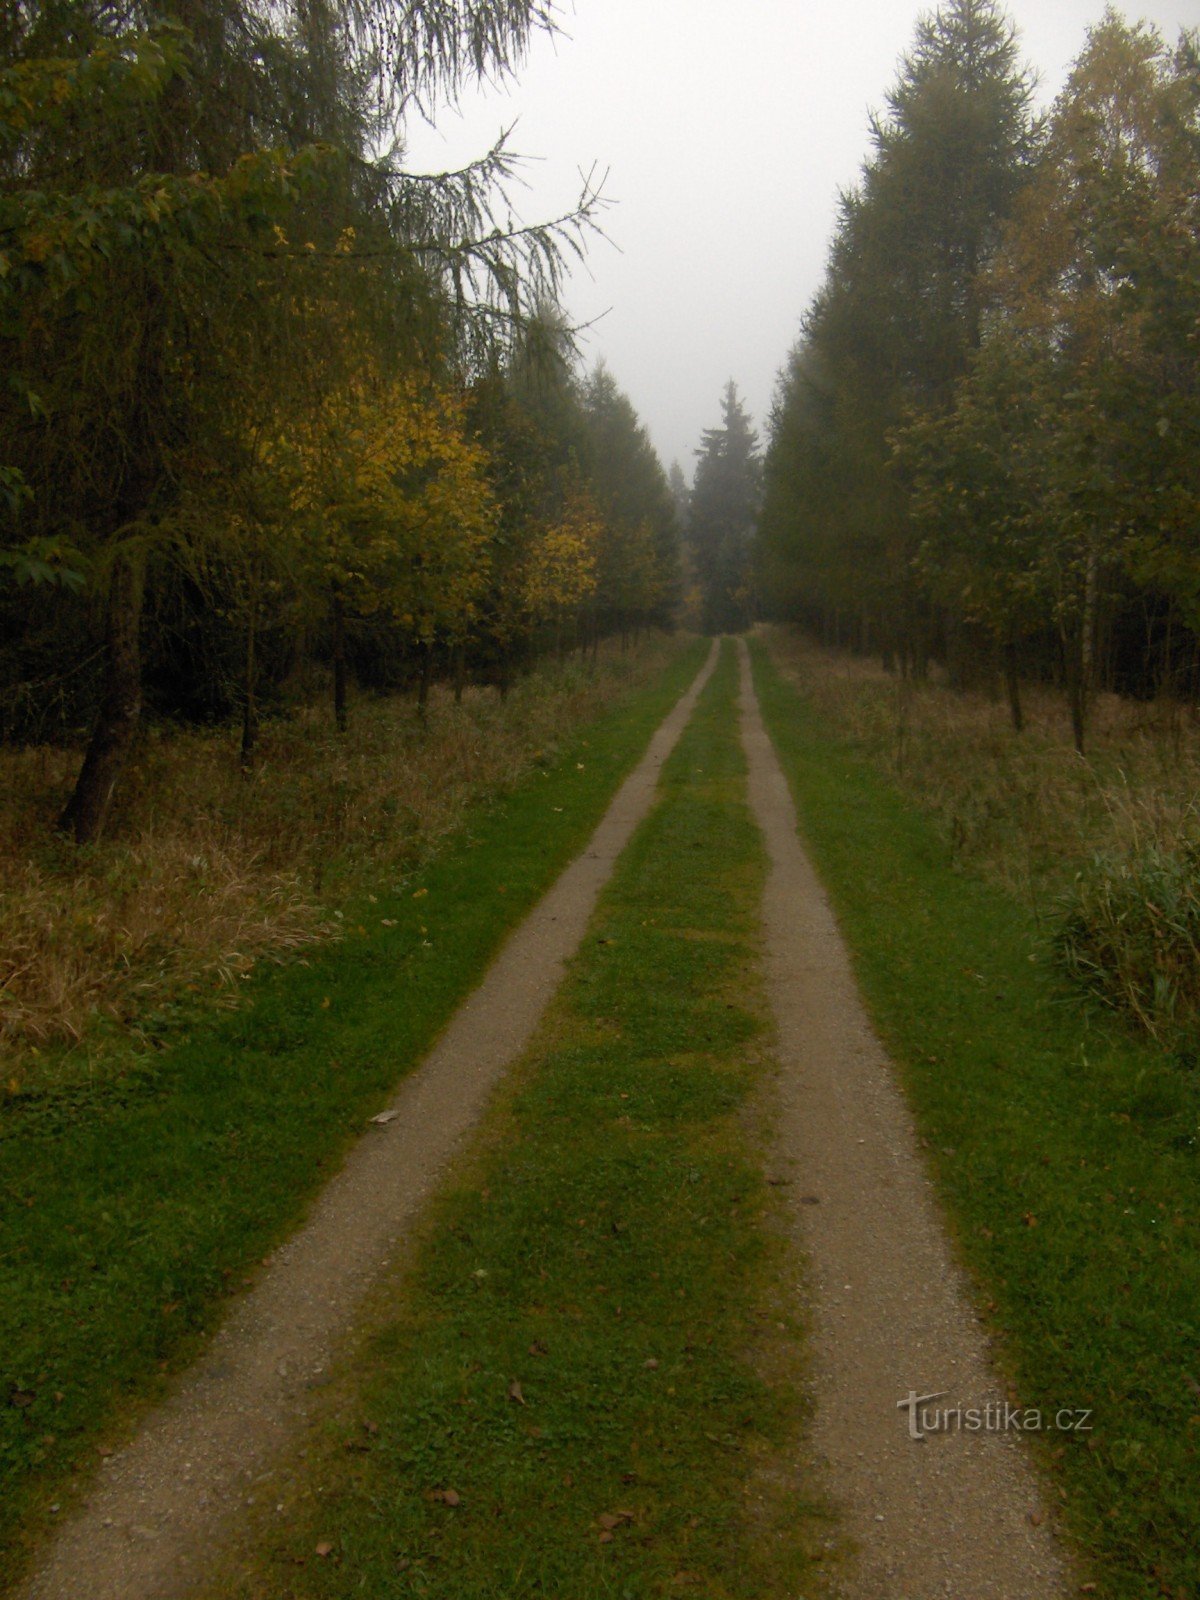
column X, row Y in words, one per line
column 1013, row 684
column 249, row 695
column 120, row 707
column 1081, row 659
column 423, row 680
column 339, row 661
column 955, row 676
column 459, row 671
column 1073, row 674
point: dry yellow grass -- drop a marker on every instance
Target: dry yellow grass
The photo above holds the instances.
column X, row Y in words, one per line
column 206, row 871
column 1024, row 809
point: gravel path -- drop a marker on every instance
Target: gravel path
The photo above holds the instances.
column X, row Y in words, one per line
column 159, row 1510
column 958, row 1512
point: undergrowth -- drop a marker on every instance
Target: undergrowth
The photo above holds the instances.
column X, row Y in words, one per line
column 207, row 870
column 1104, row 849
column 1130, row 935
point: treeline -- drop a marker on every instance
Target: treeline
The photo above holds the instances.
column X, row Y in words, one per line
column 985, row 448
column 271, row 402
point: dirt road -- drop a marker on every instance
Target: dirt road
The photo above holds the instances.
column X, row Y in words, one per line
column 158, row 1511
column 957, row 1512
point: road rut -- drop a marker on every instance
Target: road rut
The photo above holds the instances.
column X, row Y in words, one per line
column 957, row 1513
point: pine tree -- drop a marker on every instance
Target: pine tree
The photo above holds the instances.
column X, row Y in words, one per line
column 639, row 556
column 901, row 312
column 722, row 517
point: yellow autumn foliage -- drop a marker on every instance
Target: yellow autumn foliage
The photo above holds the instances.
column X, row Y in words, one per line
column 560, row 569
column 390, row 503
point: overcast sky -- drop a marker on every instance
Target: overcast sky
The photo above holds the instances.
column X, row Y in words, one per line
column 726, row 129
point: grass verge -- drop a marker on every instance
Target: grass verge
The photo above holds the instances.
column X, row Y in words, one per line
column 206, row 868
column 134, row 1200
column 1104, row 850
column 581, row 1386
column 1065, row 1149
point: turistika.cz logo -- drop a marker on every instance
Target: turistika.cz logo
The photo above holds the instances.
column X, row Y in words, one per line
column 995, row 1416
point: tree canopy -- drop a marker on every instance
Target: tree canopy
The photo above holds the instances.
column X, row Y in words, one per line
column 264, row 380
column 984, row 446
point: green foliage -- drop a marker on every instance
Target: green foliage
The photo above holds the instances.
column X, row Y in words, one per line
column 42, row 561
column 638, row 575
column 220, row 291
column 985, row 445
column 895, row 323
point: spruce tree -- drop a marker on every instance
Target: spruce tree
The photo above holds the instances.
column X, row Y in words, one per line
column 722, row 517
column 901, row 312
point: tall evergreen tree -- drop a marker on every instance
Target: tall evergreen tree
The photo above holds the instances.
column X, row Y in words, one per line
column 901, row 310
column 639, row 565
column 723, row 515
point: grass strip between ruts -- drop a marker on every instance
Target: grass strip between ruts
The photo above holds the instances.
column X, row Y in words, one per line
column 131, row 1208
column 580, row 1387
column 1066, row 1152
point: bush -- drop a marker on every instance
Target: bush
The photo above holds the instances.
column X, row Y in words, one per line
column 1130, row 933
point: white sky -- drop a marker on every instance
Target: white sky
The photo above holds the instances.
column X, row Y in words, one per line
column 726, row 128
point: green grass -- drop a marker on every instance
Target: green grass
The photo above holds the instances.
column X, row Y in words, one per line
column 131, row 1205
column 1066, row 1152
column 610, row 1252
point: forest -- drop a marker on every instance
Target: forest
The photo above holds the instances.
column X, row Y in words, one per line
column 277, row 408
column 505, row 1086
column 985, row 447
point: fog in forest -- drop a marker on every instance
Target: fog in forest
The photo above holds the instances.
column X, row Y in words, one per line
column 726, row 134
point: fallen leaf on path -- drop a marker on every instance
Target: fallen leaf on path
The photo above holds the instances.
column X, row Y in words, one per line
column 386, row 1116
